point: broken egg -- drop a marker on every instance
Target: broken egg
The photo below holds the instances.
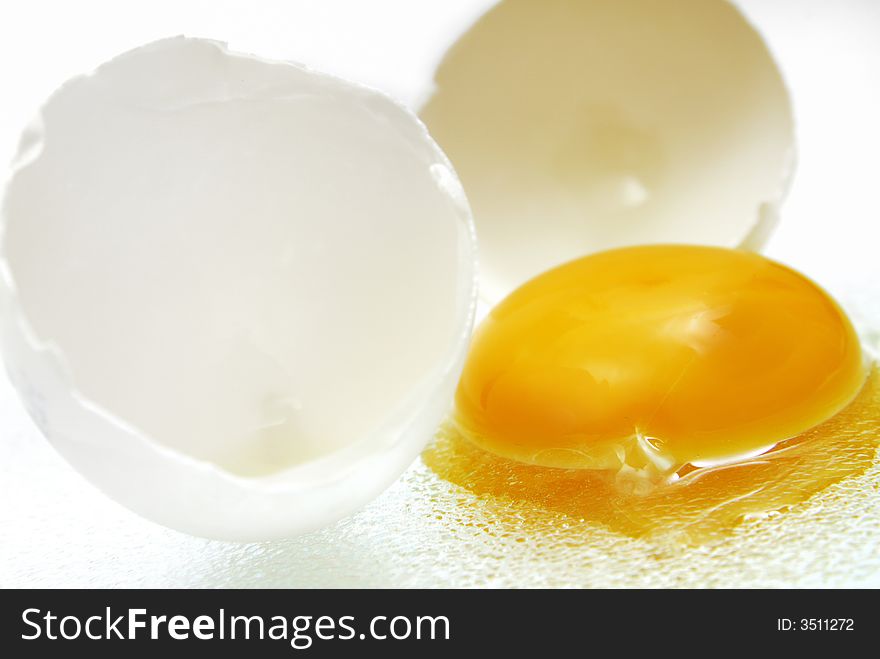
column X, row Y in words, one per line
column 644, row 360
column 236, row 294
column 583, row 125
column 670, row 393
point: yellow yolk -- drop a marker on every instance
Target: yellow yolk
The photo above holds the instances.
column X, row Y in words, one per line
column 652, row 358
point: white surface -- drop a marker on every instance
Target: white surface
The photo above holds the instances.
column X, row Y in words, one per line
column 56, row 530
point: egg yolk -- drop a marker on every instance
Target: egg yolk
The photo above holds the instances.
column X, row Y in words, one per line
column 650, row 358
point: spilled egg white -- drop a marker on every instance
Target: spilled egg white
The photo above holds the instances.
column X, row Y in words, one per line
column 583, row 126
column 235, row 294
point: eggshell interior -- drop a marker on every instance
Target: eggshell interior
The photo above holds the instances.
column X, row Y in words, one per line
column 236, row 293
column 578, row 126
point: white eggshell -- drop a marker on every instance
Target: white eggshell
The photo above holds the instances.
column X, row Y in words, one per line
column 236, row 294
column 582, row 125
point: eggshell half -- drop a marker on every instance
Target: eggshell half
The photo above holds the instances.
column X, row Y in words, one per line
column 583, row 125
column 235, row 294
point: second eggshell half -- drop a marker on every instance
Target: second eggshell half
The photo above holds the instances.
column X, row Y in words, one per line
column 583, row 125
column 236, row 294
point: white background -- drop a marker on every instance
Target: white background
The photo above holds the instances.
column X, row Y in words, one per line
column 56, row 530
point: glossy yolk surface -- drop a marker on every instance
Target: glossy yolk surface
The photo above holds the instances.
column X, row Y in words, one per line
column 656, row 357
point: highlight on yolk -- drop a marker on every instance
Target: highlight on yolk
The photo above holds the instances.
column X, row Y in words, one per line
column 643, row 360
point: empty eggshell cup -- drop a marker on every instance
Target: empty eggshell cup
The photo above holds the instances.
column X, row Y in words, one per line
column 578, row 126
column 236, row 294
